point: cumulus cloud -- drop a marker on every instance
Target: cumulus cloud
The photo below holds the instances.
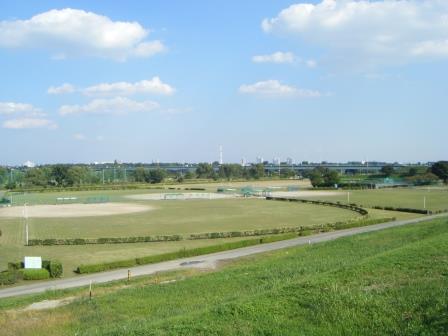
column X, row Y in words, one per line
column 379, row 32
column 311, row 63
column 25, row 116
column 23, row 123
column 63, row 89
column 73, row 32
column 7, row 108
column 114, row 106
column 277, row 57
column 152, row 86
column 274, row 88
column 79, row 136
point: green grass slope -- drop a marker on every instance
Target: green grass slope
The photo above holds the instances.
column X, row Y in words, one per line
column 392, row 282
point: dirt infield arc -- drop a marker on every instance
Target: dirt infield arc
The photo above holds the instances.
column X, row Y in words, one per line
column 73, row 210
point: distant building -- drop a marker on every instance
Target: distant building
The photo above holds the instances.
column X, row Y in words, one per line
column 259, row 159
column 276, row 161
column 29, row 164
column 289, row 161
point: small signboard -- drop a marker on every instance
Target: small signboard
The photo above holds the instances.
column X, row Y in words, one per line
column 33, row 262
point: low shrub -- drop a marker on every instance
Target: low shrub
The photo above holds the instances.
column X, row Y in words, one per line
column 364, row 222
column 183, row 253
column 110, row 240
column 9, row 277
column 351, row 207
column 55, row 269
column 417, row 211
column 35, row 274
column 15, row 265
column 92, row 268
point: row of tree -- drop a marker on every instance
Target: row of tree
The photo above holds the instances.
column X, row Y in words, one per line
column 230, row 171
column 419, row 175
column 61, row 175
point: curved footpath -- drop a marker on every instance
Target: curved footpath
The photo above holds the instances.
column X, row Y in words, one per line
column 208, row 259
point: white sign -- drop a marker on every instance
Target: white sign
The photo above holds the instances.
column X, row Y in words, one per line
column 33, row 262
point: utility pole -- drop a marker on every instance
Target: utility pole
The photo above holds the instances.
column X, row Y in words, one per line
column 103, row 176
column 424, row 202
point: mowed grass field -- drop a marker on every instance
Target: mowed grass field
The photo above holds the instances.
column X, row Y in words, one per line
column 176, row 217
column 31, row 198
column 436, row 198
column 168, row 217
column 391, row 282
column 190, row 216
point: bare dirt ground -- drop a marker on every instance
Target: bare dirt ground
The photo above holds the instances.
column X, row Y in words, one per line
column 73, row 210
column 305, row 193
column 180, row 196
column 49, row 304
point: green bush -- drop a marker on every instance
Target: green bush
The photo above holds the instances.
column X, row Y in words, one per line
column 183, row 253
column 352, row 207
column 35, row 274
column 9, row 277
column 14, row 266
column 55, row 269
column 92, row 268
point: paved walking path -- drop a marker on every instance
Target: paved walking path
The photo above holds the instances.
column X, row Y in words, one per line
column 208, row 259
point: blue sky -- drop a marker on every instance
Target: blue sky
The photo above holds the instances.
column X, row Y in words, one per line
column 141, row 81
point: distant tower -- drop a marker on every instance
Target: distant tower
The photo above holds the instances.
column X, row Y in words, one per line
column 220, row 154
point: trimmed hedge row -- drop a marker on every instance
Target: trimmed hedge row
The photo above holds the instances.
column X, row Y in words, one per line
column 116, row 240
column 351, row 207
column 34, row 274
column 54, row 267
column 417, row 211
column 184, row 253
column 92, row 268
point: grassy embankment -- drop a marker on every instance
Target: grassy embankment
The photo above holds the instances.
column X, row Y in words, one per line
column 392, row 282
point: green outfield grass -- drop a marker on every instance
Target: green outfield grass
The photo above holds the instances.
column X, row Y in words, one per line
column 392, row 282
column 436, row 198
column 32, row 198
column 191, row 216
column 169, row 217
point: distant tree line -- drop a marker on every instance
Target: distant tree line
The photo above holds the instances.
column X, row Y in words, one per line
column 419, row 175
column 64, row 175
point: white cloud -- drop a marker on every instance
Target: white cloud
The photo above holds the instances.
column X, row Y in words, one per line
column 72, row 32
column 377, row 32
column 152, row 86
column 273, row 88
column 22, row 123
column 7, row 108
column 147, row 49
column 277, row 57
column 114, row 106
column 79, row 136
column 63, row 89
column 311, row 63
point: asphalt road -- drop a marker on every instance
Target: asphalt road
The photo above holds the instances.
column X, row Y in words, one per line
column 204, row 260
